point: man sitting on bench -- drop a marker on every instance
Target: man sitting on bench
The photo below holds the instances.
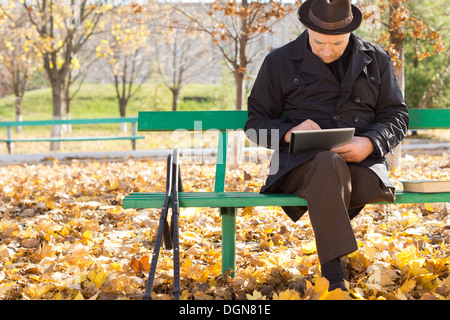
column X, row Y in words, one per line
column 329, row 78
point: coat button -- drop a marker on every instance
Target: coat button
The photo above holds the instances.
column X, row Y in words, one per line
column 336, row 117
column 357, row 99
column 296, row 80
column 372, row 78
column 356, row 119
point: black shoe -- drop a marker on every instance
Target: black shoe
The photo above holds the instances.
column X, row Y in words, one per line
column 337, row 285
column 334, row 273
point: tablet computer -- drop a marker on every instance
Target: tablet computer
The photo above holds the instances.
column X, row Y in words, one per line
column 326, row 139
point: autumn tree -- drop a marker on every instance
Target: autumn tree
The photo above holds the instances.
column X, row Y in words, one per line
column 124, row 49
column 178, row 44
column 398, row 21
column 82, row 68
column 426, row 80
column 17, row 57
column 233, row 27
column 62, row 28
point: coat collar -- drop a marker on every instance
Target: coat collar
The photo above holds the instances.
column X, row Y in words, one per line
column 360, row 44
column 358, row 63
column 298, row 46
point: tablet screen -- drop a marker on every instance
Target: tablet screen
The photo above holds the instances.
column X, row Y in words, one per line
column 326, row 139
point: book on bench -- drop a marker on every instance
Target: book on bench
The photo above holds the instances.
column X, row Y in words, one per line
column 326, row 139
column 426, row 186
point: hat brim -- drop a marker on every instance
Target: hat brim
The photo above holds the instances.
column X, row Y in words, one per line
column 303, row 12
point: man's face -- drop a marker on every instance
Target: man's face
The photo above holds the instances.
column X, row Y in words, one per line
column 328, row 47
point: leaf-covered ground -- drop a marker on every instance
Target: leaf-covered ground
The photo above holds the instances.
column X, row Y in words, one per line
column 64, row 235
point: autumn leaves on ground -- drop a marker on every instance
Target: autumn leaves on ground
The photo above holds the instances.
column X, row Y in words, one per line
column 64, row 235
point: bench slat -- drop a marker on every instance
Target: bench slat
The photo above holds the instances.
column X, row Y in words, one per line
column 234, row 120
column 191, row 120
column 254, row 199
column 429, row 118
column 211, row 199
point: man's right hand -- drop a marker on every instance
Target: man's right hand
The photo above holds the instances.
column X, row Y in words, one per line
column 305, row 125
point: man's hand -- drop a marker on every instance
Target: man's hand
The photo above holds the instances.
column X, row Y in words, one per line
column 305, row 125
column 356, row 151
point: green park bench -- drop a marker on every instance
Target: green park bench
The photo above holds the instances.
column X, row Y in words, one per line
column 228, row 202
column 11, row 124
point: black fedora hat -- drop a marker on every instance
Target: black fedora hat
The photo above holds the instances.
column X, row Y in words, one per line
column 330, row 16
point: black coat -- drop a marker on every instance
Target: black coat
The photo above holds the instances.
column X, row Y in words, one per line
column 293, row 85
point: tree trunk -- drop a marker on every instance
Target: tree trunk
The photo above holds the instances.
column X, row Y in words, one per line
column 240, row 90
column 58, row 107
column 56, row 78
column 240, row 69
column 237, row 137
column 123, row 114
column 67, row 128
column 175, row 96
column 19, row 115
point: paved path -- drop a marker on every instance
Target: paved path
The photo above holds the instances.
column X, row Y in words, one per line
column 412, row 145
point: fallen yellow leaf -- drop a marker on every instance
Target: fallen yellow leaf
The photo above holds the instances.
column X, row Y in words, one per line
column 79, row 296
column 97, row 277
column 288, row 294
column 337, row 294
column 408, row 286
column 256, row 295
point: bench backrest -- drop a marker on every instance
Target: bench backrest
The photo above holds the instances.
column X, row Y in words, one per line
column 233, row 120
column 224, row 121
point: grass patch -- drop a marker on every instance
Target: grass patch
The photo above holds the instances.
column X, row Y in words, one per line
column 99, row 101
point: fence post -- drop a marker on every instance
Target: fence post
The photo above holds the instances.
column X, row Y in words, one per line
column 9, row 143
column 133, row 133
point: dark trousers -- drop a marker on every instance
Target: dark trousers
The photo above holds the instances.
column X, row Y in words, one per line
column 332, row 187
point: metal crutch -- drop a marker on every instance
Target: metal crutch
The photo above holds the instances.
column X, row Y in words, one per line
column 177, row 186
column 162, row 229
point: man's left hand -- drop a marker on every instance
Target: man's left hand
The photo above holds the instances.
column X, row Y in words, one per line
column 356, row 151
